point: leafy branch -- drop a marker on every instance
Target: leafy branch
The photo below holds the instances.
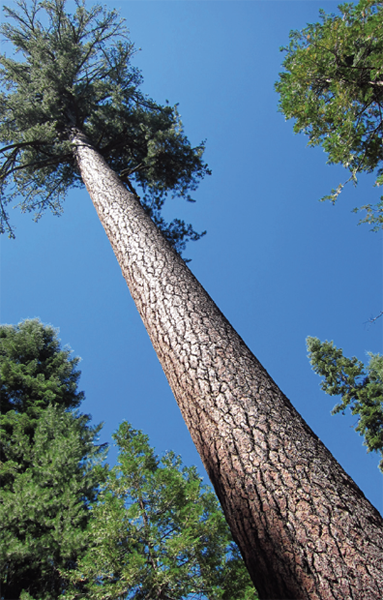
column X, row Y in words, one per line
column 332, row 87
column 360, row 388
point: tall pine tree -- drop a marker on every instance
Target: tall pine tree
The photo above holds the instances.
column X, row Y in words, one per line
column 72, row 109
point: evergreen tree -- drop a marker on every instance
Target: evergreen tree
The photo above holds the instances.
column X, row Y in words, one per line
column 50, row 466
column 360, row 388
column 157, row 532
column 304, row 528
column 333, row 87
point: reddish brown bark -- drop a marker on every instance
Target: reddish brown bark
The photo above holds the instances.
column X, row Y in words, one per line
column 305, row 529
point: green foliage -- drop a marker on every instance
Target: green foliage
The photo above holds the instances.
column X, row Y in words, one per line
column 35, row 371
column 148, row 528
column 49, row 463
column 75, row 74
column 360, row 387
column 46, row 484
column 157, row 532
column 333, row 88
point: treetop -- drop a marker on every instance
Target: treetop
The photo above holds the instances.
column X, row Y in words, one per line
column 35, row 371
column 75, row 73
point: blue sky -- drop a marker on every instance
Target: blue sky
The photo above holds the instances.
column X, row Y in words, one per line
column 279, row 264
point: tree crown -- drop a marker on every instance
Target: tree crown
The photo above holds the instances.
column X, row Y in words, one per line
column 76, row 73
column 333, row 87
column 35, row 371
column 158, row 532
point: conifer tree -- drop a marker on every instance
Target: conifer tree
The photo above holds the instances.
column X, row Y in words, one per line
column 50, row 465
column 70, row 528
column 157, row 532
column 72, row 109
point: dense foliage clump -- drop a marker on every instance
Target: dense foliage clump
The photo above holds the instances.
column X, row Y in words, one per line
column 333, row 87
column 75, row 74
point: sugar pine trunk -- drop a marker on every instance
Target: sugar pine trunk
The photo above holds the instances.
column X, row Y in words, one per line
column 305, row 529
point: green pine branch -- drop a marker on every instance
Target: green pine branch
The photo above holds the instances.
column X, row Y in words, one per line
column 332, row 86
column 359, row 386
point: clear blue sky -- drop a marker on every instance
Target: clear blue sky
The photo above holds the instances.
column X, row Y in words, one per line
column 279, row 264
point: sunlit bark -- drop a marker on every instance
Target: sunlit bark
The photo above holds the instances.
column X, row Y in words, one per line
column 305, row 529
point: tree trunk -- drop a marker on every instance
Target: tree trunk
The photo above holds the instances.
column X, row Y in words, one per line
column 305, row 530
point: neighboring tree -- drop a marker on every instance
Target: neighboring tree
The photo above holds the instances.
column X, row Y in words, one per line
column 333, row 88
column 157, row 532
column 49, row 463
column 360, row 387
column 304, row 528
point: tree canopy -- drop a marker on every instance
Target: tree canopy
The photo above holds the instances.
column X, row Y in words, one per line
column 333, row 87
column 157, row 532
column 75, row 73
column 50, row 463
column 360, row 388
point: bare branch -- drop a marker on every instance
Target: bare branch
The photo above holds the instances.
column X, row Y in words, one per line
column 373, row 319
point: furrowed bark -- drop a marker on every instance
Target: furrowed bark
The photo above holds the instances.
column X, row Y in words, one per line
column 306, row 531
